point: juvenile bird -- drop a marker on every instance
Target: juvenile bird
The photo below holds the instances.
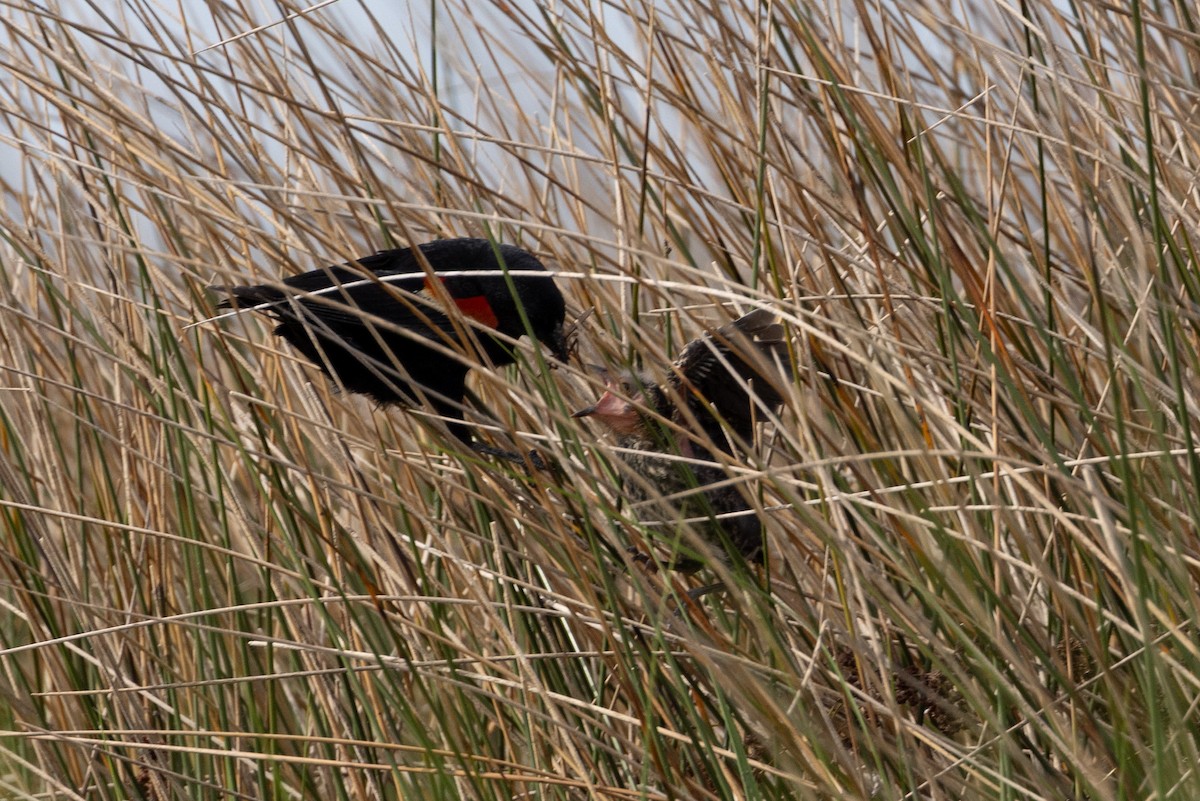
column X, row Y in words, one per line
column 723, row 383
column 380, row 326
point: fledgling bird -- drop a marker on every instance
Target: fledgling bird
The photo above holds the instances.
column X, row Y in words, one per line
column 379, row 326
column 722, row 385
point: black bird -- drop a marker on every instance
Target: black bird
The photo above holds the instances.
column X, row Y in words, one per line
column 379, row 326
column 720, row 387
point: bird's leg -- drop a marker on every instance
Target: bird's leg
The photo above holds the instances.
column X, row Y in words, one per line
column 699, row 592
column 533, row 458
column 643, row 559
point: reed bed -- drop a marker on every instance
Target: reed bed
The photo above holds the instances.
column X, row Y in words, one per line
column 222, row 579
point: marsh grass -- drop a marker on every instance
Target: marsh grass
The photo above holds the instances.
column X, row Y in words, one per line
column 220, row 579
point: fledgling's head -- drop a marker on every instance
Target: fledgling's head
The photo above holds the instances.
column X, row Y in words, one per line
column 628, row 397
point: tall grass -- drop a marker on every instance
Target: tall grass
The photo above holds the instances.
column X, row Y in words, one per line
column 222, row 580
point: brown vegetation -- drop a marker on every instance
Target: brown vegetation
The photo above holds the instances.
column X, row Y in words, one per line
column 220, row 579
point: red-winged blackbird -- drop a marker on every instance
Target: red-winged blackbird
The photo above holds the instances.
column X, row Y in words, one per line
column 721, row 386
column 378, row 327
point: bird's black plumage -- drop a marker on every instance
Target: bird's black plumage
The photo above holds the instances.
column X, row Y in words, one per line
column 381, row 326
column 723, row 383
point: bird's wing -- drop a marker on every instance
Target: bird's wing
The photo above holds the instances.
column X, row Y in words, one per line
column 347, row 297
column 714, row 372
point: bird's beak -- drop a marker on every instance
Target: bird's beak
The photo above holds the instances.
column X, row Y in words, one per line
column 610, row 405
column 601, row 371
column 562, row 342
column 560, row 345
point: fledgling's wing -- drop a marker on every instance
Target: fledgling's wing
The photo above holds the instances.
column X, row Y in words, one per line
column 728, row 377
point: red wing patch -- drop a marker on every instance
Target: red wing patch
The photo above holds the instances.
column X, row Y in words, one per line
column 476, row 307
